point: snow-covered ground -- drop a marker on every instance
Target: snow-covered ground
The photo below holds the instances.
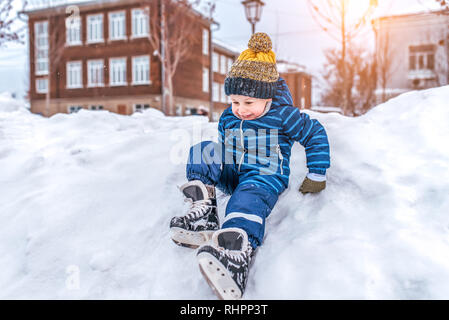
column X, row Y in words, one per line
column 86, row 200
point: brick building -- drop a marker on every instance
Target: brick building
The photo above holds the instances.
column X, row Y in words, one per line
column 103, row 60
column 412, row 52
column 299, row 82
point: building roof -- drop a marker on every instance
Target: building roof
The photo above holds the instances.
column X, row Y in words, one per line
column 57, row 7
column 284, row 66
column 225, row 47
column 414, row 14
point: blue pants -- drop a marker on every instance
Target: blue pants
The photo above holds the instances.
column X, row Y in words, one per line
column 249, row 205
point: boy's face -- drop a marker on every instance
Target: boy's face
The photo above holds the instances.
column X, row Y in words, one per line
column 247, row 108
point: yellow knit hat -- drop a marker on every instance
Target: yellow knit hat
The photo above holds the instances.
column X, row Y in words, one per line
column 254, row 73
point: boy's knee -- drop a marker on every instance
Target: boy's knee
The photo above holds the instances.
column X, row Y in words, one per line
column 207, row 152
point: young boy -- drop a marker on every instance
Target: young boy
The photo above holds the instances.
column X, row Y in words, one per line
column 250, row 163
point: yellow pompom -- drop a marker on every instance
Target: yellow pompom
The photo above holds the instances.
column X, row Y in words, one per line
column 260, row 42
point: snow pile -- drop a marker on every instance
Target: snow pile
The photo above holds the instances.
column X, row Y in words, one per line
column 9, row 104
column 86, row 200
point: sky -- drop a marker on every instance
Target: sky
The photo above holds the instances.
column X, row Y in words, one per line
column 296, row 36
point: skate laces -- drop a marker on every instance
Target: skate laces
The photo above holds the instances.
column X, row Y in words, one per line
column 198, row 208
column 241, row 256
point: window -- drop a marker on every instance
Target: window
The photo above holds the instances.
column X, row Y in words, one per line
column 141, row 70
column 73, row 109
column 141, row 107
column 223, row 94
column 73, row 31
column 94, row 108
column 223, row 64
column 140, row 23
column 421, row 62
column 430, row 61
column 215, row 62
column 117, row 25
column 117, row 72
column 205, row 79
column 95, row 28
column 230, row 62
column 95, row 75
column 42, row 85
column 74, row 75
column 422, row 57
column 41, row 47
column 216, row 91
column 205, row 42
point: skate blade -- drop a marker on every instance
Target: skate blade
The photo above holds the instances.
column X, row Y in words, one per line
column 218, row 278
column 190, row 239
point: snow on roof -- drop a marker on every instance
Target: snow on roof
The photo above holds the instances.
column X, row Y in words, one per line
column 224, row 45
column 285, row 66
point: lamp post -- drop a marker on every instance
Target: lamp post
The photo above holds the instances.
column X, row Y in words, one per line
column 253, row 11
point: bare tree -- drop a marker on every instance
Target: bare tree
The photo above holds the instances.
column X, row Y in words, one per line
column 385, row 53
column 7, row 19
column 332, row 17
column 173, row 36
column 360, row 68
column 444, row 4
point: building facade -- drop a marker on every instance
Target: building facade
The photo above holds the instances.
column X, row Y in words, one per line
column 222, row 60
column 102, row 59
column 412, row 52
column 298, row 81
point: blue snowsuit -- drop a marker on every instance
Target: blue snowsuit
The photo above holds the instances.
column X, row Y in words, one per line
column 251, row 160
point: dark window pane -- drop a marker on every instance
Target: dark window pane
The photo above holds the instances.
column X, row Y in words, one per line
column 421, row 62
column 430, row 61
column 412, row 62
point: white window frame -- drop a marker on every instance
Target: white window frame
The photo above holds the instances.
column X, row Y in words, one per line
column 74, row 108
column 215, row 91
column 117, row 22
column 41, row 48
column 118, row 69
column 39, row 87
column 205, row 42
column 205, row 79
column 230, row 61
column 99, row 65
column 96, row 107
column 71, row 68
column 137, row 67
column 73, row 31
column 99, row 37
column 223, row 64
column 215, row 62
column 141, row 108
column 222, row 94
column 140, row 22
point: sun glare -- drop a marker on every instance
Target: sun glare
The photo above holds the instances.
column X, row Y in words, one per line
column 356, row 9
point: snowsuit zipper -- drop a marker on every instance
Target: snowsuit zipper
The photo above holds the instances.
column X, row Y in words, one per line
column 242, row 143
column 278, row 149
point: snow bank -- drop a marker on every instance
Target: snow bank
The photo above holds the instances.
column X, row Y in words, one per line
column 86, row 200
column 10, row 104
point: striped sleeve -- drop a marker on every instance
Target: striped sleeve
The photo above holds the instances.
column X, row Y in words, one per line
column 311, row 134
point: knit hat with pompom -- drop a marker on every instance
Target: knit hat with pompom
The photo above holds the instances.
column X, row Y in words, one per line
column 254, row 74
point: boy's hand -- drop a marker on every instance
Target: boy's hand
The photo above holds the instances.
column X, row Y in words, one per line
column 312, row 186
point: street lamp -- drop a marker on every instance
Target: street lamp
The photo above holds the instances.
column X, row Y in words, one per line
column 253, row 11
